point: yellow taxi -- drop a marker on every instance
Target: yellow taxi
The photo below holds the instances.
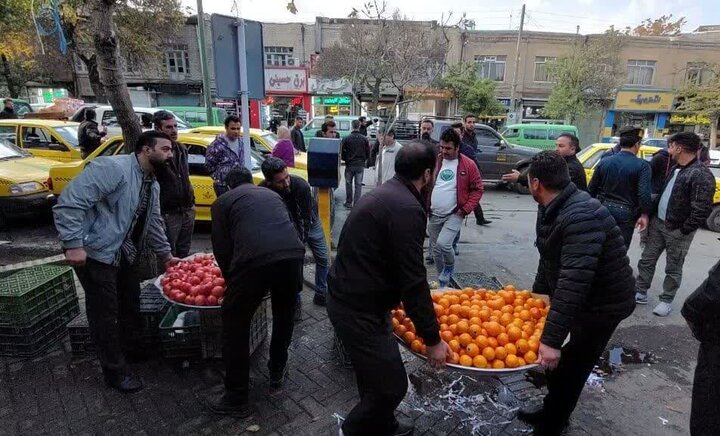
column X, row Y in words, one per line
column 197, row 144
column 590, row 156
column 262, row 141
column 23, row 178
column 50, row 139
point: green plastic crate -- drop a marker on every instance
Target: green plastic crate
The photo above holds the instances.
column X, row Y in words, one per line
column 31, row 293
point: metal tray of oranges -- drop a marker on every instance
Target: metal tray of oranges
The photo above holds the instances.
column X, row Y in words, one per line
column 490, row 331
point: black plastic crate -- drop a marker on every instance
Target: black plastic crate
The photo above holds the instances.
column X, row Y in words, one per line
column 211, row 330
column 153, row 307
column 31, row 341
column 30, row 294
column 475, row 280
column 180, row 342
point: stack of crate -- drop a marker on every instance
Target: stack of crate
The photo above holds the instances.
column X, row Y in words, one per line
column 35, row 305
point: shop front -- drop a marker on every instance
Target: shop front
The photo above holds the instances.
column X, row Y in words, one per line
column 287, row 96
column 647, row 109
column 424, row 101
column 332, row 105
column 331, row 97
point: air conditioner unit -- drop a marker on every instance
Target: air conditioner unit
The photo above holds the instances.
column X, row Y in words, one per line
column 293, row 62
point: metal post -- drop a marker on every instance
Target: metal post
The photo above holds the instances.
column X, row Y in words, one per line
column 245, row 109
column 207, row 97
column 517, row 62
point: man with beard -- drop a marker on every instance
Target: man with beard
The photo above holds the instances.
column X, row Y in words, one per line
column 103, row 217
column 586, row 272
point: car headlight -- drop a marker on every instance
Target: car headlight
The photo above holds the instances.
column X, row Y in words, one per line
column 26, row 187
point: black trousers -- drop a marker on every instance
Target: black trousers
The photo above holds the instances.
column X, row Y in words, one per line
column 587, row 342
column 112, row 298
column 244, row 294
column 479, row 215
column 381, row 377
column 705, row 410
column 625, row 220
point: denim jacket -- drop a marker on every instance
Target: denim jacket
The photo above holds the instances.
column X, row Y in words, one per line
column 97, row 208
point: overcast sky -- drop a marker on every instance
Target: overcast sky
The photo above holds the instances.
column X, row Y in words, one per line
column 545, row 15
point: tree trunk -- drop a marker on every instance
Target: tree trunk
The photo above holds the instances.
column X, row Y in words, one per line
column 13, row 88
column 110, row 70
column 713, row 131
column 91, row 64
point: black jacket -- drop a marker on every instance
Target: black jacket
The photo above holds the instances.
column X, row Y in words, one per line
column 298, row 139
column 176, row 191
column 251, row 228
column 379, row 260
column 8, row 114
column 623, row 179
column 577, row 172
column 660, row 165
column 702, row 308
column 583, row 264
column 89, row 137
column 300, row 204
column 355, row 150
column 364, row 126
column 469, row 138
column 691, row 199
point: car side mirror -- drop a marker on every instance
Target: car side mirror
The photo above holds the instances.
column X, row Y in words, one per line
column 502, row 145
column 56, row 147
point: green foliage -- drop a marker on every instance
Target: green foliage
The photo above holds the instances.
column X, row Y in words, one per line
column 702, row 99
column 474, row 95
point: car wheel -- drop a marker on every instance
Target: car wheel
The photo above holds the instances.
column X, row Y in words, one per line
column 713, row 221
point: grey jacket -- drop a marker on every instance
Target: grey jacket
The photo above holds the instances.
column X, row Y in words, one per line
column 97, row 208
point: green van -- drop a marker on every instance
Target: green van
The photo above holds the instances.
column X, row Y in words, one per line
column 342, row 126
column 536, row 135
column 196, row 116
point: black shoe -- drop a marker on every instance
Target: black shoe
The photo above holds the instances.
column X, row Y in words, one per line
column 126, row 384
column 483, row 222
column 404, row 429
column 319, row 300
column 277, row 377
column 223, row 406
column 298, row 312
column 532, row 415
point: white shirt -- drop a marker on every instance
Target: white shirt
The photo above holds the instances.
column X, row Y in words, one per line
column 665, row 197
column 234, row 145
column 444, row 196
column 388, row 162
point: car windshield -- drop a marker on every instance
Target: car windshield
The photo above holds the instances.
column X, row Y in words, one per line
column 271, row 139
column 69, row 134
column 10, row 151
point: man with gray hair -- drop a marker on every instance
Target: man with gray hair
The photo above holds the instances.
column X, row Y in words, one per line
column 355, row 151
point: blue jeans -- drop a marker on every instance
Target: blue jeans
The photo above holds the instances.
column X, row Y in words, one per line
column 353, row 177
column 442, row 234
column 319, row 248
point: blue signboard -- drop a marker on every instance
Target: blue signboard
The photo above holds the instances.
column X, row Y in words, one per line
column 225, row 57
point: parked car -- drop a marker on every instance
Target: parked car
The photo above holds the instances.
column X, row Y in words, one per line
column 655, row 142
column 50, row 139
column 262, row 141
column 496, row 156
column 23, row 183
column 61, row 174
column 541, row 136
column 196, row 116
column 342, row 126
column 105, row 116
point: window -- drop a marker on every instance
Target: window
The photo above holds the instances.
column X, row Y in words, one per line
column 511, row 133
column 486, row 138
column 196, row 117
column 541, row 71
column 698, row 73
column 279, row 56
column 491, row 67
column 196, row 160
column 37, row 138
column 553, row 134
column 176, row 60
column 535, row 134
column 8, row 133
column 69, row 134
column 111, row 149
column 640, row 72
column 592, row 160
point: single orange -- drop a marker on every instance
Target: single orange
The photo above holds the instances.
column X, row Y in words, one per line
column 443, row 319
column 509, row 288
column 503, row 339
column 475, row 320
column 463, row 326
column 453, row 319
column 485, row 314
column 465, row 339
column 492, row 342
column 455, row 309
column 444, row 302
column 395, row 322
column 447, row 335
column 534, row 345
column 453, row 329
column 454, row 345
column 511, row 348
column 514, row 333
column 439, row 310
column 522, row 346
column 408, row 337
column 455, row 358
column 506, row 319
column 466, row 360
column 481, row 341
column 530, row 357
column 498, row 364
column 525, row 315
column 400, row 330
column 493, row 328
column 522, row 362
column 472, row 350
column 500, row 353
column 511, row 361
column 480, row 361
column 473, row 313
column 416, row 346
column 474, row 330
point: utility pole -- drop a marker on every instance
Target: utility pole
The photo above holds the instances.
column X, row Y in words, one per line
column 207, row 97
column 517, row 61
column 577, row 30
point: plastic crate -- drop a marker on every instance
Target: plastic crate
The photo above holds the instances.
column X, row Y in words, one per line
column 211, row 340
column 180, row 342
column 475, row 280
column 30, row 294
column 31, row 341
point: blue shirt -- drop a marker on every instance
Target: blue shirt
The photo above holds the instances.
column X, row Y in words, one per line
column 665, row 197
column 623, row 179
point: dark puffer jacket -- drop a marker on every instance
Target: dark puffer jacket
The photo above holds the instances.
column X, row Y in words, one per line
column 702, row 308
column 583, row 266
column 691, row 199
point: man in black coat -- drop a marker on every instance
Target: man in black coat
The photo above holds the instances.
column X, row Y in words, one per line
column 702, row 313
column 355, row 151
column 258, row 250
column 8, row 112
column 296, row 135
column 89, row 137
column 585, row 271
column 379, row 264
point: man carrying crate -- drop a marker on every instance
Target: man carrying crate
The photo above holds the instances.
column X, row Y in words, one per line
column 103, row 217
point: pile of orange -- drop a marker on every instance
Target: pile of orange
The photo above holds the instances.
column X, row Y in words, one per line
column 484, row 329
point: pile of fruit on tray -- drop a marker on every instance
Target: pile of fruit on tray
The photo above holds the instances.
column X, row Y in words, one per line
column 488, row 331
column 195, row 281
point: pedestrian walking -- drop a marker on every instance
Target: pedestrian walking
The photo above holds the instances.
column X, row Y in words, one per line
column 585, row 270
column 355, row 150
column 297, row 136
column 103, row 217
column 702, row 313
column 297, row 196
column 284, row 148
column 683, row 206
column 378, row 267
column 660, row 165
column 89, row 136
column 225, row 154
column 258, row 251
column 623, row 184
column 457, row 190
column 177, row 198
column 385, row 165
column 8, row 112
column 469, row 147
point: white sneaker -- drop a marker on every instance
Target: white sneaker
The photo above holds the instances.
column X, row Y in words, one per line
column 662, row 309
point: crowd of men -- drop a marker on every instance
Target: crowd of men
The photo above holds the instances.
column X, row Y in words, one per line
column 120, row 204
